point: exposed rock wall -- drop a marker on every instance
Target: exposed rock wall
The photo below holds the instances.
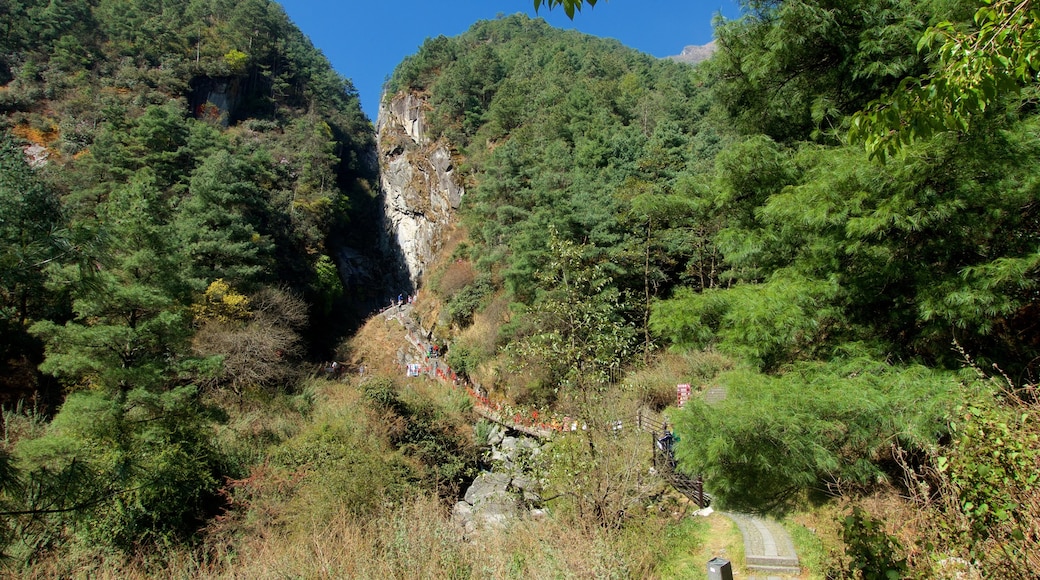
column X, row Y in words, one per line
column 215, row 98
column 695, row 53
column 421, row 187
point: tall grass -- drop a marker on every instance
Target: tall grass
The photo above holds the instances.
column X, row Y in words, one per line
column 419, row 540
column 655, row 384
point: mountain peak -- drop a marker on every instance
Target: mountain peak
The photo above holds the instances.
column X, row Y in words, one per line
column 695, row 53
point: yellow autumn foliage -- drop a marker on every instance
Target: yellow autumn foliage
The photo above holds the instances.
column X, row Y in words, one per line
column 220, row 302
column 37, row 135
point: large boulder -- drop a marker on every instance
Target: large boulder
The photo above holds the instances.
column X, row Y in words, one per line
column 489, row 502
column 506, row 493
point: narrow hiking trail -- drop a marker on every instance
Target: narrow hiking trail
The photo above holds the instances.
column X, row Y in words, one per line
column 768, row 549
column 769, row 552
column 532, row 423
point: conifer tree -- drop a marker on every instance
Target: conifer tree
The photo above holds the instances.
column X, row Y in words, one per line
column 32, row 234
column 217, row 226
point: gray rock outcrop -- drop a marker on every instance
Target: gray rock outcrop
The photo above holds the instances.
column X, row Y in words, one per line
column 215, row 98
column 420, row 184
column 508, row 492
column 695, row 53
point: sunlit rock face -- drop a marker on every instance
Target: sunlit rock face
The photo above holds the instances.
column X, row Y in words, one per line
column 421, row 187
column 695, row 53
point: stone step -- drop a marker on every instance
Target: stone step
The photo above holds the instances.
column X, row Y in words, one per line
column 768, row 548
column 773, row 564
column 774, row 570
column 776, row 561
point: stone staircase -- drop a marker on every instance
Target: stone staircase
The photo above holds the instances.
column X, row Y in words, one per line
column 768, row 549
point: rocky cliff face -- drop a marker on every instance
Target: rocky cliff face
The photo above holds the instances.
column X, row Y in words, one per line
column 420, row 185
column 694, row 53
column 215, row 98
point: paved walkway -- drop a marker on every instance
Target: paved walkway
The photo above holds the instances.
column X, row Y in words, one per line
column 768, row 549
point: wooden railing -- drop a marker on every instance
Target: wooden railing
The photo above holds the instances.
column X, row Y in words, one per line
column 664, row 458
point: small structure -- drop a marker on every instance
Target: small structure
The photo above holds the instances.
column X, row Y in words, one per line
column 682, row 394
column 720, row 569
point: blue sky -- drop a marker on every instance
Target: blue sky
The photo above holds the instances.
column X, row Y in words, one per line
column 365, row 39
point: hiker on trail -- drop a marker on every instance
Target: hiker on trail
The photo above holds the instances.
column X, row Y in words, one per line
column 665, row 443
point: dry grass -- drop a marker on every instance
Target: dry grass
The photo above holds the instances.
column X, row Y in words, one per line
column 450, row 267
column 376, row 345
column 817, row 531
column 299, row 526
column 903, row 520
column 419, row 540
column 456, row 276
column 655, row 385
column 44, row 133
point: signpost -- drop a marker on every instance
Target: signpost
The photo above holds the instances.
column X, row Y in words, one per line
column 682, row 392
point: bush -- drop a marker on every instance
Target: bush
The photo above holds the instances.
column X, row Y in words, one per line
column 870, row 553
column 988, row 512
column 834, row 425
column 468, row 300
column 601, row 475
column 261, row 347
column 118, row 470
column 381, row 393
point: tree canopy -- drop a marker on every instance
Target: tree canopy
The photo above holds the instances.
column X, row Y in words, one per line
column 150, row 151
column 569, row 6
column 732, row 208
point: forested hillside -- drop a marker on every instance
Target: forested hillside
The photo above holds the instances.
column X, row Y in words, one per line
column 173, row 146
column 830, row 227
column 875, row 296
column 175, row 180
